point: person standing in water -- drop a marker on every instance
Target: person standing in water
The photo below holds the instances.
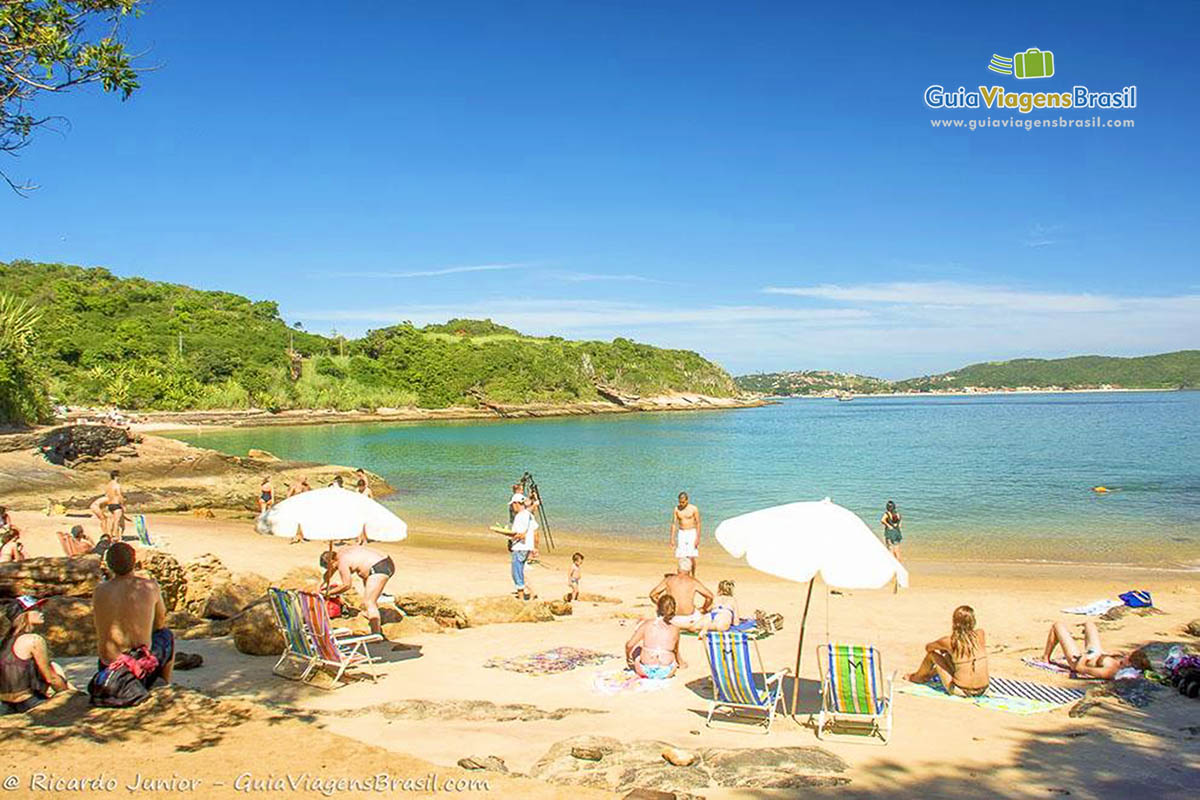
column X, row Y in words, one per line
column 685, row 530
column 891, row 529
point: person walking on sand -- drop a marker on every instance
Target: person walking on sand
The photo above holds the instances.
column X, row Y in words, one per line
column 373, row 567
column 685, row 530
column 891, row 529
column 28, row 677
column 266, row 495
column 683, row 587
column 97, row 509
column 524, row 537
column 114, row 497
column 131, row 622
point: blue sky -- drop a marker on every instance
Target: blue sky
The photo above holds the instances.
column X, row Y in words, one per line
column 759, row 182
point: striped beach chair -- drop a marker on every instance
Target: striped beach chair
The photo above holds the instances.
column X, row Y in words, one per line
column 854, row 693
column 143, row 532
column 733, row 682
column 297, row 646
column 339, row 652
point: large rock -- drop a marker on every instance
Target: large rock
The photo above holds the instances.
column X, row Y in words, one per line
column 70, row 629
column 230, row 598
column 201, row 577
column 44, row 577
column 72, row 444
column 254, row 633
column 411, row 626
column 206, row 629
column 492, row 610
column 561, row 608
column 172, row 581
column 306, row 579
column 1193, row 627
column 448, row 613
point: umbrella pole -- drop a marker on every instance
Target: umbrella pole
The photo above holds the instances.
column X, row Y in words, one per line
column 800, row 647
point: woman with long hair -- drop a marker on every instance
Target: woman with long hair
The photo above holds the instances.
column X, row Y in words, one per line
column 27, row 675
column 959, row 660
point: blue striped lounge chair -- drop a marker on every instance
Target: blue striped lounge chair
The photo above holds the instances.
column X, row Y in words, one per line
column 143, row 532
column 339, row 652
column 297, row 646
column 854, row 693
column 734, row 685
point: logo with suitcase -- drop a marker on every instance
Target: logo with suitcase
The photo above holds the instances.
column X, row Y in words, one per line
column 1033, row 63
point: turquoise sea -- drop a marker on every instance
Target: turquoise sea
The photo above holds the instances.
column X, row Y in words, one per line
column 994, row 476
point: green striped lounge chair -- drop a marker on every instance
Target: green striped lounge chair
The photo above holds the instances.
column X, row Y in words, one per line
column 297, row 646
column 143, row 532
column 342, row 653
column 734, row 686
column 854, row 693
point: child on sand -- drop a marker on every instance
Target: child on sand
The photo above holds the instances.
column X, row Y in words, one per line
column 573, row 576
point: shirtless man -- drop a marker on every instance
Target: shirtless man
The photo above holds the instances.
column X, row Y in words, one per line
column 97, row 509
column 372, row 566
column 685, row 530
column 1092, row 661
column 653, row 650
column 80, row 543
column 130, row 615
column 115, row 500
column 684, row 588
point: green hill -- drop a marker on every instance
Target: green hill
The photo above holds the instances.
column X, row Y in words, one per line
column 144, row 344
column 1178, row 370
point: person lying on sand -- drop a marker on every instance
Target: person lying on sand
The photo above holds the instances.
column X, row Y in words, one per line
column 28, row 677
column 959, row 660
column 653, row 650
column 724, row 612
column 131, row 619
column 1089, row 662
column 683, row 588
column 375, row 569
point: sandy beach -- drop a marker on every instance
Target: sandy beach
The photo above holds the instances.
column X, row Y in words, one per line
column 436, row 702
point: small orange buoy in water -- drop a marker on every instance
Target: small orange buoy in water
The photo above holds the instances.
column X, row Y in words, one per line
column 1100, row 489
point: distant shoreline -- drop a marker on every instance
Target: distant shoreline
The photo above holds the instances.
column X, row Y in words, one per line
column 963, row 393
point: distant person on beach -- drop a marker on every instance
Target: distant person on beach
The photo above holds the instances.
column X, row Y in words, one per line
column 337, row 481
column 574, row 574
column 891, row 529
column 373, row 567
column 685, row 530
column 515, row 503
column 28, row 677
column 98, row 511
column 524, row 538
column 266, row 495
column 114, row 497
column 11, row 548
column 131, row 622
column 959, row 660
column 79, row 541
column 6, row 523
column 363, row 488
column 1090, row 661
column 102, row 545
column 653, row 649
column 683, row 587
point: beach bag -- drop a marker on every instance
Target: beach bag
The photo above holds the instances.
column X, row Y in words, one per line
column 120, row 685
column 334, row 605
column 1137, row 598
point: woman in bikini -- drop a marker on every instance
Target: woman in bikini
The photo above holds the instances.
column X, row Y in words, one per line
column 724, row 613
column 958, row 660
column 266, row 495
column 653, row 650
column 1092, row 661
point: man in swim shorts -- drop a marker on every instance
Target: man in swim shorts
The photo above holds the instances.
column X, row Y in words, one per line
column 373, row 567
column 685, row 530
column 131, row 618
column 683, row 588
column 115, row 499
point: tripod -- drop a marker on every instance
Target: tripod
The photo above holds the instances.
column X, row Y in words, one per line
column 530, row 488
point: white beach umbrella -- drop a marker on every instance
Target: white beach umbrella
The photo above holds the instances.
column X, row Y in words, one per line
column 800, row 541
column 330, row 514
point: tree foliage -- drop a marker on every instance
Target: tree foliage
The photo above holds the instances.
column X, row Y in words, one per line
column 50, row 46
column 23, row 399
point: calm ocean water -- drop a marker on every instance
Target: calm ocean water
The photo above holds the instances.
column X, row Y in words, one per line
column 997, row 476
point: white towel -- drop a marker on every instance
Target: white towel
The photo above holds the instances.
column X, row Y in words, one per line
column 1093, row 609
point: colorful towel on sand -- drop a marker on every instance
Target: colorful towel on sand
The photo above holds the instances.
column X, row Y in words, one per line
column 620, row 681
column 1003, row 694
column 549, row 662
column 1057, row 669
column 1093, row 609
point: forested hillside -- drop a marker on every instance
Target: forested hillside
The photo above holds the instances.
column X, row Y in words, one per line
column 144, row 344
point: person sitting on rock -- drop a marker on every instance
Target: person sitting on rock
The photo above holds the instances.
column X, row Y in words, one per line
column 653, row 650
column 375, row 569
column 131, row 620
column 11, row 548
column 28, row 677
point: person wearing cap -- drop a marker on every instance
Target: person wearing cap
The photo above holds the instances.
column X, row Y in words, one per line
column 28, row 677
column 525, row 541
column 80, row 542
column 515, row 503
column 131, row 618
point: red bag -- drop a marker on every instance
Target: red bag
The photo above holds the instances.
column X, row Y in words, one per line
column 334, row 606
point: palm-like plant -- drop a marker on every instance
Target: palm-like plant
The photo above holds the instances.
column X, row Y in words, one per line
column 23, row 397
column 18, row 326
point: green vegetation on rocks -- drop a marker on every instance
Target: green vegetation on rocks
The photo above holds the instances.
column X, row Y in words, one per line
column 144, row 344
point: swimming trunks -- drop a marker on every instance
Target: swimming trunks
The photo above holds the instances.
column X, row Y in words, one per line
column 892, row 536
column 114, row 506
column 685, row 544
column 266, row 497
column 383, row 567
column 657, row 672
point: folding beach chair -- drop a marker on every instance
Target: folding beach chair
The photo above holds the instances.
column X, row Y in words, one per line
column 853, row 690
column 143, row 533
column 64, row 541
column 733, row 683
column 297, row 646
column 340, row 652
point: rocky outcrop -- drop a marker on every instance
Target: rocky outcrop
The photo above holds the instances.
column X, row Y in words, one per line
column 44, row 577
column 560, row 608
column 172, row 581
column 1193, row 627
column 201, row 577
column 411, row 626
column 254, row 632
column 69, row 628
column 70, row 445
column 228, row 599
column 446, row 612
column 493, row 610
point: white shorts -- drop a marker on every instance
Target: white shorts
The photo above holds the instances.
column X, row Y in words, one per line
column 685, row 543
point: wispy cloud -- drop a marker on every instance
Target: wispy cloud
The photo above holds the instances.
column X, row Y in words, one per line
column 1042, row 235
column 428, row 273
column 949, row 294
column 590, row 277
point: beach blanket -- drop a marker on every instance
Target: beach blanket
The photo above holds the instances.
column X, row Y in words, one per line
column 549, row 662
column 1093, row 609
column 610, row 682
column 1003, row 694
column 1058, row 669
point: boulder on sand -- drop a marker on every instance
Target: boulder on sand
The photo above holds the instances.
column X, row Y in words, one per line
column 201, row 577
column 44, row 577
column 561, row 608
column 69, row 628
column 492, row 610
column 255, row 634
column 228, row 599
column 448, row 613
column 1193, row 627
column 172, row 581
column 410, row 626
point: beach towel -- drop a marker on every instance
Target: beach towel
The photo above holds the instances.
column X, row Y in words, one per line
column 1093, row 609
column 611, row 682
column 1058, row 669
column 1003, row 694
column 549, row 662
